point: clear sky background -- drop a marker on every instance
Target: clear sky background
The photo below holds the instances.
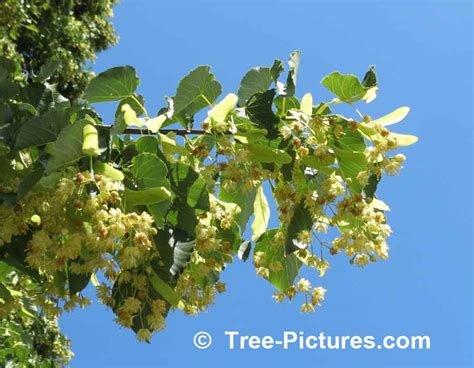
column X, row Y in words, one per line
column 423, row 56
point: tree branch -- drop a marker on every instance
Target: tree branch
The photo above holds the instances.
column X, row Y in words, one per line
column 139, row 131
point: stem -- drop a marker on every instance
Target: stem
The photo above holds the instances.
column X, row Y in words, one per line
column 91, row 167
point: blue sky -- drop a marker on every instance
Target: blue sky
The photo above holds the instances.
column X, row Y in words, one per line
column 423, row 56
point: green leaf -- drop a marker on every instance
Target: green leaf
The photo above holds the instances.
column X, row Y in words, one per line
column 170, row 146
column 351, row 140
column 14, row 255
column 275, row 252
column 77, row 282
column 122, row 290
column 5, row 293
column 258, row 79
column 146, row 196
column 316, row 163
column 109, row 171
column 346, row 87
column 293, row 63
column 276, row 69
column 29, row 182
column 261, row 214
column 147, row 143
column 8, row 89
column 267, row 154
column 351, row 163
column 284, row 104
column 175, row 248
column 245, row 201
column 195, row 91
column 370, row 78
column 47, row 70
column 371, row 187
column 149, row 171
column 112, row 85
column 300, row 221
column 166, row 291
column 259, row 111
column 192, row 197
column 68, row 146
column 190, row 186
column 42, row 129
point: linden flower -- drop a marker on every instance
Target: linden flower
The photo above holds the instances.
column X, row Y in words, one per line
column 220, row 287
column 263, row 271
column 399, row 157
column 317, row 295
column 131, row 305
column 144, row 335
column 259, row 258
column 303, row 285
column 361, row 260
column 322, row 266
column 303, row 151
column 278, row 296
column 304, row 237
column 363, row 177
column 156, row 321
column 103, row 293
column 285, row 131
column 321, row 227
column 321, row 151
column 392, row 167
column 275, row 266
column 307, row 308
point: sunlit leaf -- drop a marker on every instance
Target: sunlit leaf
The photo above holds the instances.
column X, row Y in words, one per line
column 266, row 154
column 346, row 87
column 244, row 199
column 258, row 79
column 68, row 146
column 275, row 252
column 112, row 85
column 146, row 196
column 195, row 91
column 301, row 221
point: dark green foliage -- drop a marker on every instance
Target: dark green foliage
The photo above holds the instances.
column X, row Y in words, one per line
column 69, row 33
